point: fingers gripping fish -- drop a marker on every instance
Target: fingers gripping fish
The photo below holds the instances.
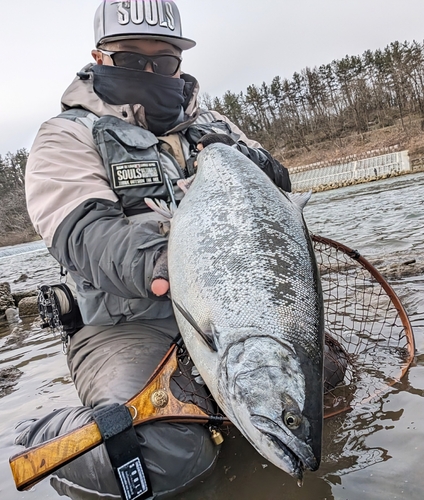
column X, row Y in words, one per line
column 247, row 298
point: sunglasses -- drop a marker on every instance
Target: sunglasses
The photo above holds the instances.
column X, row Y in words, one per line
column 162, row 64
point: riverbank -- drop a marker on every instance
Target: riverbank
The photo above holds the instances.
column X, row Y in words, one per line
column 17, row 238
column 409, row 136
column 13, row 302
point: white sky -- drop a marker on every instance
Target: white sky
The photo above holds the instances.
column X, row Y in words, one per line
column 239, row 42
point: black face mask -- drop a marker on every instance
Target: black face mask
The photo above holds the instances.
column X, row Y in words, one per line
column 162, row 97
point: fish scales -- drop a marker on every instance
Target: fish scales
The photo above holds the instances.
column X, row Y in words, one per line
column 241, row 264
column 237, row 251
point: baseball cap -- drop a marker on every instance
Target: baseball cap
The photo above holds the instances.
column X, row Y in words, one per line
column 158, row 19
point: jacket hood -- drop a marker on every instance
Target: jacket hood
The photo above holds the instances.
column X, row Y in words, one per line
column 80, row 94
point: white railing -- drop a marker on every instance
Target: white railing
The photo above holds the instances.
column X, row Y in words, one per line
column 351, row 172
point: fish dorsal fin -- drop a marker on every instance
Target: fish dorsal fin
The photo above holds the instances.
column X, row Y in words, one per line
column 300, row 199
column 206, row 336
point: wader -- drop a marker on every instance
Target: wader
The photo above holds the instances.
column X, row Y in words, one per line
column 110, row 365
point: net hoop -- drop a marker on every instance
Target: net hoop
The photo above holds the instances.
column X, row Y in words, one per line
column 406, row 333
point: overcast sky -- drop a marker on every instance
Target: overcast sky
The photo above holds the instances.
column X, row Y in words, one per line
column 239, row 42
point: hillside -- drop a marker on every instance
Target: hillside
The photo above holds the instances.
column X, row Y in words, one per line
column 370, row 143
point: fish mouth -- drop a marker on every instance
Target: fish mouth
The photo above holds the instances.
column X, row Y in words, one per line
column 295, row 460
column 300, row 461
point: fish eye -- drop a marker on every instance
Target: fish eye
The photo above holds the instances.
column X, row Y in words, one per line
column 292, row 420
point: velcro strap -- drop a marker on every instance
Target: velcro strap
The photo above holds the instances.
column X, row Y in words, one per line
column 115, row 425
column 112, row 420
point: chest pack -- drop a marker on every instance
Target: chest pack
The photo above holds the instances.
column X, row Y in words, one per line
column 136, row 163
column 140, row 165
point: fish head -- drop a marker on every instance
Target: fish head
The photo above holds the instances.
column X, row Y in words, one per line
column 276, row 402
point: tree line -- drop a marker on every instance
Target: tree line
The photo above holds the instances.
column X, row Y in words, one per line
column 15, row 225
column 355, row 94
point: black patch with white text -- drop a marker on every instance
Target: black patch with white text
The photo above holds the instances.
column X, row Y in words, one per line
column 143, row 173
column 133, row 480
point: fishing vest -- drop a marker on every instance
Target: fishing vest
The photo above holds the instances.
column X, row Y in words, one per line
column 140, row 165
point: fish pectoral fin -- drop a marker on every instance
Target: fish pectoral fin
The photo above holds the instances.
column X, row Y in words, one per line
column 206, row 336
column 185, row 184
column 160, row 207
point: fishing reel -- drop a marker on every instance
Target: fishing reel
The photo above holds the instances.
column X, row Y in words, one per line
column 59, row 310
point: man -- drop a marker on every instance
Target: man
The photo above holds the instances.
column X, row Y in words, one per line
column 129, row 129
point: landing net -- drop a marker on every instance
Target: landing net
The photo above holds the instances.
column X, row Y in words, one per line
column 367, row 323
column 369, row 343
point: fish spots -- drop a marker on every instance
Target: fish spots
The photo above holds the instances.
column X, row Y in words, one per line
column 240, row 260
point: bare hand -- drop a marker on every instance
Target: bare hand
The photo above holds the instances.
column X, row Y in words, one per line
column 160, row 287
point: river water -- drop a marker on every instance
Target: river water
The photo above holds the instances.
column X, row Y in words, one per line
column 374, row 452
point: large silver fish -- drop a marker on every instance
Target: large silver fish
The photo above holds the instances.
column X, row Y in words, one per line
column 246, row 294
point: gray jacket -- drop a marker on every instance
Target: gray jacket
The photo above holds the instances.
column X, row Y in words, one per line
column 86, row 180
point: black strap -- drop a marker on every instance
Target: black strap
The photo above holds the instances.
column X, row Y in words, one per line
column 137, row 211
column 115, row 425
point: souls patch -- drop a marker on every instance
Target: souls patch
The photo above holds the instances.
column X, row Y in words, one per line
column 144, row 173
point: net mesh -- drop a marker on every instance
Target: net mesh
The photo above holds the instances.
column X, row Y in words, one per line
column 187, row 381
column 366, row 322
column 368, row 342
